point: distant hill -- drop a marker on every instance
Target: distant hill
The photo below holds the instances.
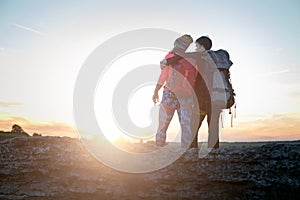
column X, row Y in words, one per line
column 16, row 131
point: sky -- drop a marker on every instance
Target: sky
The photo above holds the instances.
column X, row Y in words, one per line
column 43, row 45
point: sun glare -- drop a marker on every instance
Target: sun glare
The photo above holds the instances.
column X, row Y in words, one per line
column 139, row 104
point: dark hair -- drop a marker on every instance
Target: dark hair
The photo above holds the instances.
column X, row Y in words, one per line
column 205, row 41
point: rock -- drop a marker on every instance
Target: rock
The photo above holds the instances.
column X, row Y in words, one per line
column 61, row 168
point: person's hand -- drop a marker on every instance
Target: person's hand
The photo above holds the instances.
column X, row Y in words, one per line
column 163, row 63
column 155, row 98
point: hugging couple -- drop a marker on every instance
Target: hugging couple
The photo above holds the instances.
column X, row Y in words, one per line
column 187, row 79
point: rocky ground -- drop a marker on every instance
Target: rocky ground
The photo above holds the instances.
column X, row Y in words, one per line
column 60, row 168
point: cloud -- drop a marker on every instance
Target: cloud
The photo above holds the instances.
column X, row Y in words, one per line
column 273, row 73
column 279, row 72
column 295, row 94
column 50, row 128
column 30, row 29
column 276, row 127
column 9, row 104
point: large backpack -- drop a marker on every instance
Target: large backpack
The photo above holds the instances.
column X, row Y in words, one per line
column 183, row 77
column 222, row 91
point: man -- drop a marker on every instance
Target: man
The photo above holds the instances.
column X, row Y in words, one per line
column 178, row 81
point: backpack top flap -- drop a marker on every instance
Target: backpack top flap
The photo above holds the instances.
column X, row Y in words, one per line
column 221, row 58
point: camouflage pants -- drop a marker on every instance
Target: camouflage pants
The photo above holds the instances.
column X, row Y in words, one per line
column 184, row 107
